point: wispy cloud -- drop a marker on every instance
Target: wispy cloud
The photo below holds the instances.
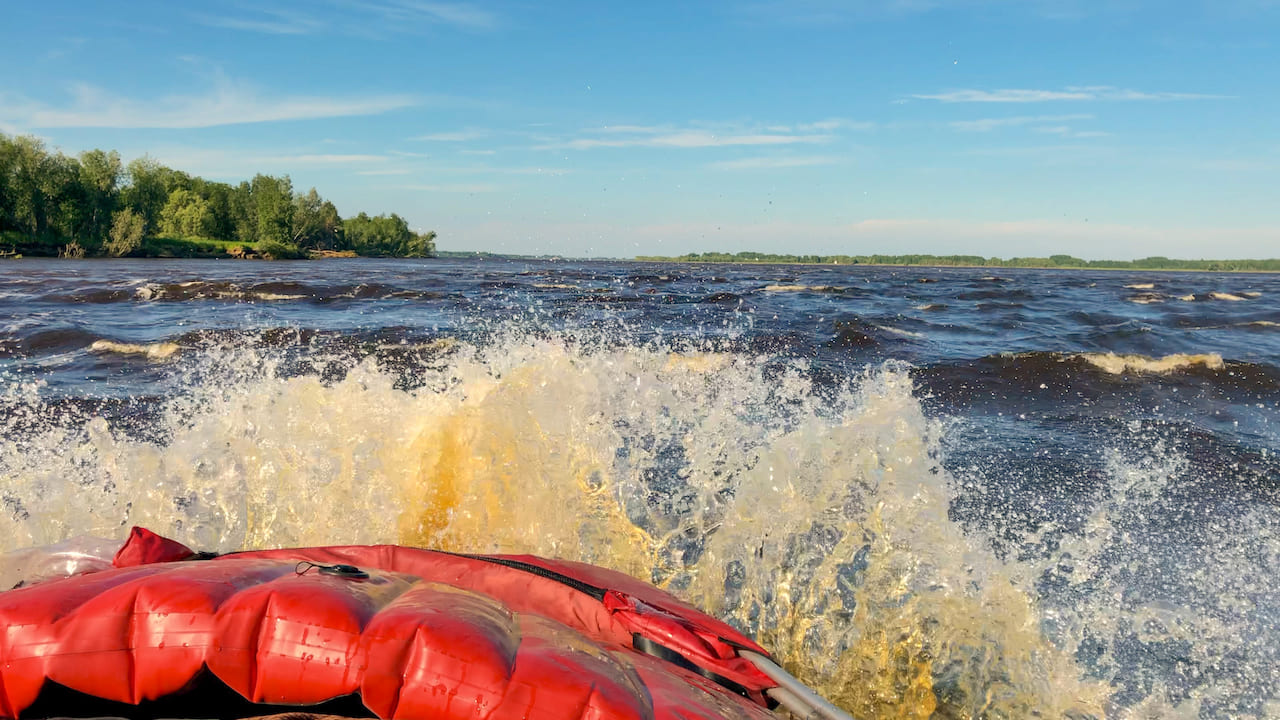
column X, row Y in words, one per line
column 642, row 129
column 772, row 163
column 454, row 136
column 454, row 188
column 227, row 103
column 461, row 14
column 826, row 12
column 832, row 12
column 234, row 163
column 827, row 125
column 1043, row 124
column 1069, row 132
column 625, row 136
column 266, row 19
column 348, row 17
column 990, row 124
column 1070, row 93
column 489, row 170
column 318, row 159
column 699, row 139
column 833, row 124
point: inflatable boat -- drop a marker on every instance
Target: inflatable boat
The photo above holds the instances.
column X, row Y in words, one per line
column 374, row 631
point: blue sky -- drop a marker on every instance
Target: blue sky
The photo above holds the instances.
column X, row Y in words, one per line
column 1099, row 128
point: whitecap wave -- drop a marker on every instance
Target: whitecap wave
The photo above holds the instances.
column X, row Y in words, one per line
column 1116, row 364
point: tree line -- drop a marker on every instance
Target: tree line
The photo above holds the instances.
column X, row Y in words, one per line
column 1053, row 261
column 94, row 204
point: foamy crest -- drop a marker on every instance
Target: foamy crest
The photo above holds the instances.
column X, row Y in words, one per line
column 901, row 332
column 1121, row 364
column 803, row 288
column 152, row 351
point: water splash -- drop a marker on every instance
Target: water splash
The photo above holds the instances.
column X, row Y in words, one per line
column 815, row 518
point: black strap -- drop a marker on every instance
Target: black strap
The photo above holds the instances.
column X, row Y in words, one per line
column 596, row 592
column 662, row 652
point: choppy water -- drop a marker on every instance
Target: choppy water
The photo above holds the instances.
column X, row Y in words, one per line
column 945, row 493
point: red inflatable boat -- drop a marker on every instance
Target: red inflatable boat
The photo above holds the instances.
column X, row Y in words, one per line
column 385, row 631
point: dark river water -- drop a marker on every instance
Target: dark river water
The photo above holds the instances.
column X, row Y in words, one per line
column 950, row 493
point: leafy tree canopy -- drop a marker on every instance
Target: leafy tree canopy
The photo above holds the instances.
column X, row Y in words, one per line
column 96, row 204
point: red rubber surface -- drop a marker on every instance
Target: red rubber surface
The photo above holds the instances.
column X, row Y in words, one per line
column 427, row 635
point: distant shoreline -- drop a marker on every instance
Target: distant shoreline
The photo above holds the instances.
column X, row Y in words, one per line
column 928, row 266
column 1057, row 262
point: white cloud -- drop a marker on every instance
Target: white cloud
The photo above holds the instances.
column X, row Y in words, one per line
column 271, row 21
column 770, row 163
column 1070, row 93
column 831, row 124
column 641, row 129
column 364, row 17
column 989, row 124
column 324, row 159
column 241, row 164
column 703, row 135
column 1069, row 132
column 463, row 14
column 480, row 170
column 454, row 188
column 454, row 136
column 689, row 139
column 227, row 103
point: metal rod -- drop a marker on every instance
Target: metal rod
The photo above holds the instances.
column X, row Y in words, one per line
column 793, row 704
column 810, row 704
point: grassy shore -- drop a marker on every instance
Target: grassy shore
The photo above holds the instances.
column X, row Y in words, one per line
column 16, row 245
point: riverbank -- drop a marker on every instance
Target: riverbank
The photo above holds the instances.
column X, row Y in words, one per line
column 14, row 246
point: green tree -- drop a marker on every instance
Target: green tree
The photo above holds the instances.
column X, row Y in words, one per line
column 332, row 233
column 64, row 199
column 421, row 245
column 316, row 223
column 218, row 195
column 273, row 202
column 1067, row 261
column 148, row 190
column 126, row 233
column 8, row 160
column 186, row 214
column 28, row 165
column 383, row 235
column 100, row 174
column 307, row 220
column 244, row 213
